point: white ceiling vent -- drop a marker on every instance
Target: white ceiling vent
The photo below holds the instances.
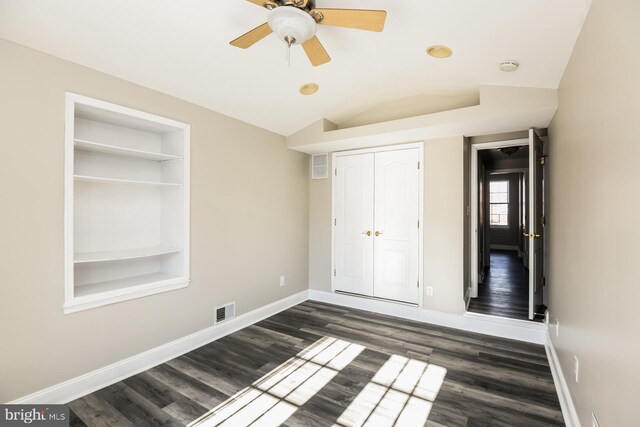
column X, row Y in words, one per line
column 225, row 312
column 319, row 166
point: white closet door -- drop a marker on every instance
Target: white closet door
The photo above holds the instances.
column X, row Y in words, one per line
column 354, row 218
column 396, row 263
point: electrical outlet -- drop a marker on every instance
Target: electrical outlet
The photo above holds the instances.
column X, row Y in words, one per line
column 576, row 367
column 282, row 281
column 557, row 328
column 429, row 291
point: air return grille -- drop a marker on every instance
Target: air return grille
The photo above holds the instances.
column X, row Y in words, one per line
column 225, row 312
column 319, row 166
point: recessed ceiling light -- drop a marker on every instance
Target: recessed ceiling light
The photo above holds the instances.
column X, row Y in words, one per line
column 509, row 66
column 438, row 51
column 309, row 88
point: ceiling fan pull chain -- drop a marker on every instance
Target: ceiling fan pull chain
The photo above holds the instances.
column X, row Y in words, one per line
column 289, row 40
column 289, row 55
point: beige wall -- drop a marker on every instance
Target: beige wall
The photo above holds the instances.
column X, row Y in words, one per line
column 249, row 225
column 444, row 224
column 443, row 227
column 594, row 212
column 320, row 233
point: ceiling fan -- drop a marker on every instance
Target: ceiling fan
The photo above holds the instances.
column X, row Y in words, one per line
column 295, row 22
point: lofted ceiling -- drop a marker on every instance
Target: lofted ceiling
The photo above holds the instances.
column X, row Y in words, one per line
column 182, row 48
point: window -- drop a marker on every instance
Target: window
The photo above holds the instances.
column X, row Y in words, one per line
column 499, row 203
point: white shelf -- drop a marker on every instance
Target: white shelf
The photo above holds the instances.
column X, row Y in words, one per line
column 123, row 286
column 94, row 147
column 123, row 254
column 98, row 179
column 100, row 294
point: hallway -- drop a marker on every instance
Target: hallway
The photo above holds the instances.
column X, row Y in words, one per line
column 505, row 291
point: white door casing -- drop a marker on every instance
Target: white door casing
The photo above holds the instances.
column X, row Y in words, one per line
column 396, row 216
column 536, row 210
column 353, row 224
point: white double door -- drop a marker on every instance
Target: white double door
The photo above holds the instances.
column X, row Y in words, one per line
column 376, row 225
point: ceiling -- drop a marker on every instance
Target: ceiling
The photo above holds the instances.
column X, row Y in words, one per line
column 492, row 156
column 182, row 48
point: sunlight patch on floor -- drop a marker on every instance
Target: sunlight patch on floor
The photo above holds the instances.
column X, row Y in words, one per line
column 400, row 394
column 276, row 396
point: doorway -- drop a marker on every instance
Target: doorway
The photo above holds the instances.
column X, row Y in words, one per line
column 507, row 220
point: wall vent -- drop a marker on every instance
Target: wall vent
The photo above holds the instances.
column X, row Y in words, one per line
column 225, row 312
column 319, row 166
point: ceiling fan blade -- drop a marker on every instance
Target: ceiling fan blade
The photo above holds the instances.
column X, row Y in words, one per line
column 370, row 20
column 249, row 39
column 315, row 51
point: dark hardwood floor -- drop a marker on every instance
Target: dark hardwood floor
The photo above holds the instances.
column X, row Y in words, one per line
column 488, row 381
column 505, row 291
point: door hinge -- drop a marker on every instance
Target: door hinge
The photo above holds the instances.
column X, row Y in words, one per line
column 336, row 171
column 418, row 223
column 418, row 165
column 334, row 272
column 335, row 221
column 541, row 160
column 418, row 284
column 542, row 220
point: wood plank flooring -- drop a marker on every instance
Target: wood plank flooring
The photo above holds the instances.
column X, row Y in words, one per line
column 505, row 291
column 489, row 381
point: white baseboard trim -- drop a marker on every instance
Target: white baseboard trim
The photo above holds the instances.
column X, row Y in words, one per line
column 520, row 330
column 84, row 384
column 564, row 396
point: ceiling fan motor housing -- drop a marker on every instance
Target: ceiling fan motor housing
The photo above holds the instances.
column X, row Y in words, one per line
column 302, row 4
column 291, row 25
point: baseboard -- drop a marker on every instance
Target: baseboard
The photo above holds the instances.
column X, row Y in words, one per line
column 103, row 377
column 505, row 247
column 520, row 330
column 564, row 396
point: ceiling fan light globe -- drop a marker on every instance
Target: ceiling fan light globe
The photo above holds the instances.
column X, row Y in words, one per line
column 287, row 21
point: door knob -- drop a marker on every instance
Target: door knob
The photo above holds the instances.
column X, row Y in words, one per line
column 368, row 233
column 532, row 235
column 378, row 233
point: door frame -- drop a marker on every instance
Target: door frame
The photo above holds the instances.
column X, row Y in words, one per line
column 473, row 201
column 413, row 145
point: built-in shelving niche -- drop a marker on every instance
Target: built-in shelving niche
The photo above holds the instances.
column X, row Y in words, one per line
column 127, row 204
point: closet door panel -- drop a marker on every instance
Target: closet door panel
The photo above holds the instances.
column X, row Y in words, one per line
column 396, row 212
column 354, row 218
